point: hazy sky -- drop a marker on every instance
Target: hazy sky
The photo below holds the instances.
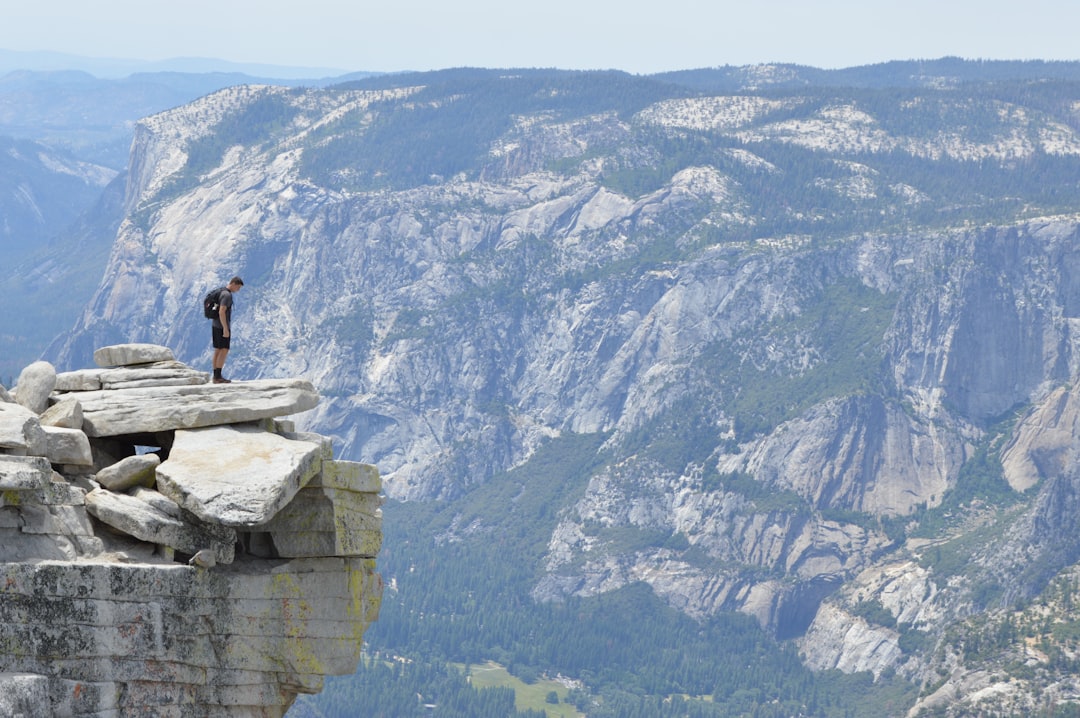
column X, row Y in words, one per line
column 639, row 36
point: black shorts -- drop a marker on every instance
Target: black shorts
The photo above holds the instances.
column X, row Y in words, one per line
column 220, row 342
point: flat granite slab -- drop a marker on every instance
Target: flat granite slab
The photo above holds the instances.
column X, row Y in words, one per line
column 149, row 522
column 163, row 373
column 238, row 476
column 163, row 408
column 131, row 354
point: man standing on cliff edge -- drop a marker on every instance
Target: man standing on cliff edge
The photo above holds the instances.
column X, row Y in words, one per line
column 222, row 329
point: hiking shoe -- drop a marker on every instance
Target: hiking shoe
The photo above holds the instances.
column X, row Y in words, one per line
column 222, row 380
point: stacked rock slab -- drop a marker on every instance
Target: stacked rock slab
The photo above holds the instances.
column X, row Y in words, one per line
column 172, row 547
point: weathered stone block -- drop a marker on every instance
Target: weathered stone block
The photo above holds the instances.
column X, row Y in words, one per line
column 79, row 380
column 147, row 522
column 159, row 373
column 57, row 520
column 67, row 446
column 350, row 476
column 35, row 384
column 21, row 546
column 130, row 472
column 10, row 517
column 355, row 542
column 322, row 521
column 63, row 697
column 322, row 509
column 236, row 476
column 66, row 414
column 21, row 429
column 158, row 500
column 52, row 494
column 85, row 698
column 129, row 354
column 23, row 694
column 20, row 473
column 164, row 373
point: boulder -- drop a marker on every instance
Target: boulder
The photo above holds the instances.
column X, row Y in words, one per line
column 35, row 384
column 20, row 430
column 154, row 409
column 148, row 522
column 66, row 414
column 5, row 396
column 237, row 476
column 130, row 472
column 67, row 446
column 131, row 354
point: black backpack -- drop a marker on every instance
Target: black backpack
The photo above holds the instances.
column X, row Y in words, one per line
column 210, row 302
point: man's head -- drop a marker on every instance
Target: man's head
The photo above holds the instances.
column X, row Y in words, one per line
column 235, row 283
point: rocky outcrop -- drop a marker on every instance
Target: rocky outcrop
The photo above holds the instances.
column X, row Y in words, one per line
column 831, row 455
column 1042, row 445
column 781, row 536
column 905, row 597
column 181, row 551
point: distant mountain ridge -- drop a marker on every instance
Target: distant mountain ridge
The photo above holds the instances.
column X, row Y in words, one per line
column 116, row 68
column 941, row 72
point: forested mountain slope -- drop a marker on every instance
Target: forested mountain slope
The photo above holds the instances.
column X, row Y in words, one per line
column 794, row 351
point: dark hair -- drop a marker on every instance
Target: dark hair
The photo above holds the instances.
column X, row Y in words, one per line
column 237, row 281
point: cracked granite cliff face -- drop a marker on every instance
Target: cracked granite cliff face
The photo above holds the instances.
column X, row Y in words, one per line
column 170, row 547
